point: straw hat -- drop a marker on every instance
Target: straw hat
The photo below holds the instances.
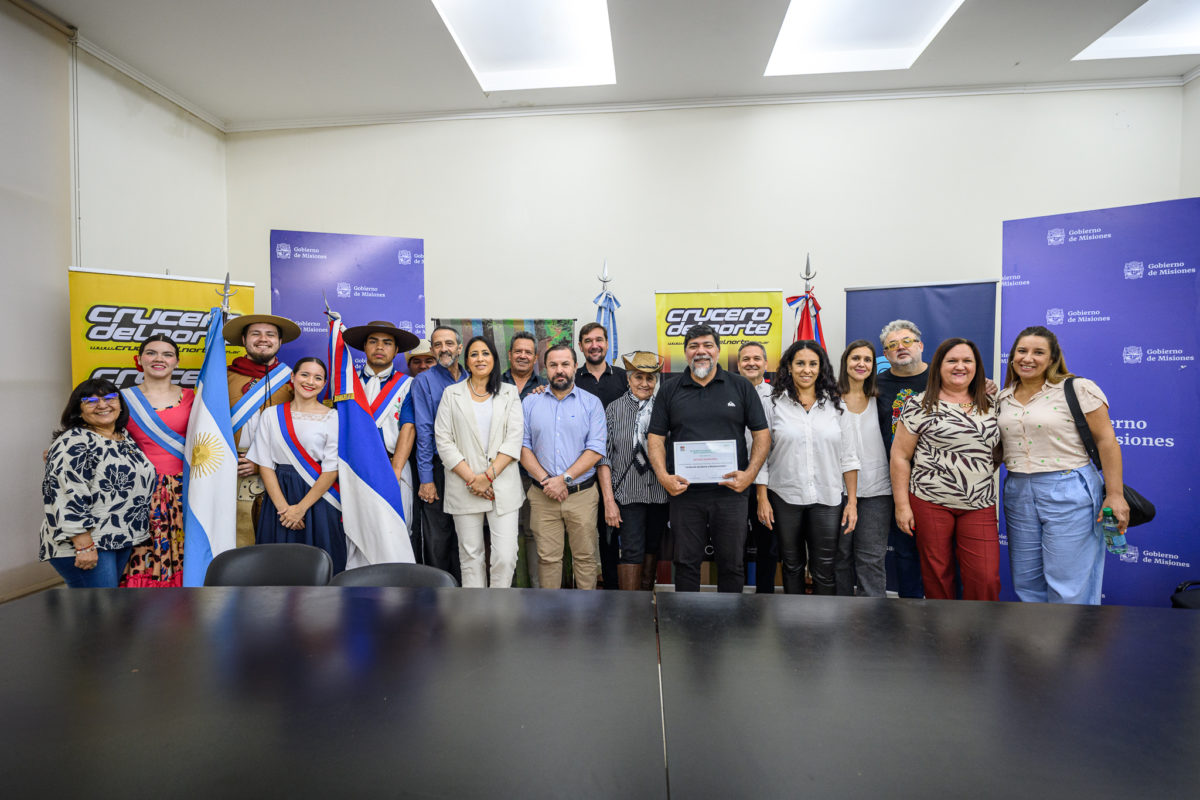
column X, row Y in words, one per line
column 288, row 330
column 356, row 337
column 422, row 349
column 642, row 361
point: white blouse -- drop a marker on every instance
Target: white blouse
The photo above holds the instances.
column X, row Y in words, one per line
column 874, row 478
column 809, row 452
column 318, row 435
column 483, row 418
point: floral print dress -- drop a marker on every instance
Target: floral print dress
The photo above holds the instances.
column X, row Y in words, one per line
column 93, row 483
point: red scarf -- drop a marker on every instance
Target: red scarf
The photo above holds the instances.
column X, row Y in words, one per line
column 244, row 366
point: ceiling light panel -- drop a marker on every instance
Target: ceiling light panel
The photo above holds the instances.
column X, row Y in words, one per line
column 1157, row 28
column 532, row 44
column 820, row 36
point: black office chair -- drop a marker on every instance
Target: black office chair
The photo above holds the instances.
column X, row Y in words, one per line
column 270, row 565
column 408, row 576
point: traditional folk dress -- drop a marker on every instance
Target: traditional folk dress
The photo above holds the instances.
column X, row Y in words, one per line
column 253, row 387
column 299, row 447
column 160, row 434
column 391, row 406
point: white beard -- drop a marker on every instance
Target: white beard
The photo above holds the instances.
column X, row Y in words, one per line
column 701, row 370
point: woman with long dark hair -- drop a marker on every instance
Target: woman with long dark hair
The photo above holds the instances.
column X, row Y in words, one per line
column 158, row 420
column 812, row 455
column 296, row 449
column 478, row 430
column 943, row 468
column 1053, row 494
column 860, row 556
column 95, row 490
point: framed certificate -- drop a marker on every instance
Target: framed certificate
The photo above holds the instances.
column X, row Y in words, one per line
column 705, row 462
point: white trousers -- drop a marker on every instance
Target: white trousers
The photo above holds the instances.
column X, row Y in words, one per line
column 503, row 529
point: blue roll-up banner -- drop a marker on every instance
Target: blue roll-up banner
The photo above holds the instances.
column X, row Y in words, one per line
column 1118, row 286
column 941, row 311
column 365, row 278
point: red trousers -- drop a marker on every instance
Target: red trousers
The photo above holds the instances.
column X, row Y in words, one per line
column 972, row 536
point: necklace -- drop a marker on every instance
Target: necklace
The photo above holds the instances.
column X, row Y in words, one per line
column 486, row 393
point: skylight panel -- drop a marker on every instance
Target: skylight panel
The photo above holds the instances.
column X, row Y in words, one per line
column 819, row 36
column 532, row 44
column 1157, row 28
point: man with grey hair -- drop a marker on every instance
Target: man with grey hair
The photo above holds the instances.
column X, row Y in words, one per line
column 907, row 375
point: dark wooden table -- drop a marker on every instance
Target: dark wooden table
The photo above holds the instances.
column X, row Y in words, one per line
column 328, row 692
column 838, row 697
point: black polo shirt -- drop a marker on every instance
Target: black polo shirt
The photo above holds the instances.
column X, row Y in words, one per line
column 612, row 383
column 534, row 381
column 685, row 411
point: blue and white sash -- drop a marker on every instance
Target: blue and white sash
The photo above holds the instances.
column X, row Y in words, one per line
column 308, row 467
column 148, row 420
column 254, row 397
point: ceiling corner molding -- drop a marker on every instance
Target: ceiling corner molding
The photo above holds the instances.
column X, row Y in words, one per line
column 1189, row 77
column 145, row 80
column 47, row 16
column 711, row 102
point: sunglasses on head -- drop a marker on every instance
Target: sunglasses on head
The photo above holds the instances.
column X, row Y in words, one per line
column 907, row 341
column 91, row 401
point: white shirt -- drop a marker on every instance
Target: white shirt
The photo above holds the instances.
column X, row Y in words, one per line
column 318, row 437
column 390, row 424
column 764, row 393
column 483, row 418
column 874, row 478
column 809, row 452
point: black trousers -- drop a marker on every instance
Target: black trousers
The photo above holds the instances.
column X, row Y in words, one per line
column 766, row 551
column 610, row 548
column 813, row 526
column 437, row 528
column 697, row 516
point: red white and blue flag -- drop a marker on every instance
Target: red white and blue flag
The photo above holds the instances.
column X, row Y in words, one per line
column 372, row 508
column 808, row 311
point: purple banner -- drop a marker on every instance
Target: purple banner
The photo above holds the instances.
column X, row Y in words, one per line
column 1118, row 286
column 365, row 278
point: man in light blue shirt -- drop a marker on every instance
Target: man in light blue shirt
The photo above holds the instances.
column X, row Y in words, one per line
column 565, row 436
column 440, row 544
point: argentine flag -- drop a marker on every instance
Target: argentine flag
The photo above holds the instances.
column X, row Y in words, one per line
column 372, row 508
column 210, row 476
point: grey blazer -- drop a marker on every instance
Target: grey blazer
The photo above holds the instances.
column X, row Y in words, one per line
column 456, row 433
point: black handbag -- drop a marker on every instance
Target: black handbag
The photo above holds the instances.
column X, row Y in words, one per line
column 1141, row 510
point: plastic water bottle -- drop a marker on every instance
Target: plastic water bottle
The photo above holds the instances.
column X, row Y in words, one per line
column 1114, row 540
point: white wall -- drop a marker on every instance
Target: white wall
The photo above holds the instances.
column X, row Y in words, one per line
column 1190, row 170
column 35, row 212
column 518, row 213
column 151, row 180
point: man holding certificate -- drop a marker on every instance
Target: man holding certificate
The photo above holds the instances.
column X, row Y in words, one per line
column 706, row 413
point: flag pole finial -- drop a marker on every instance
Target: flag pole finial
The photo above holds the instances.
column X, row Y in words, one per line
column 808, row 274
column 225, row 294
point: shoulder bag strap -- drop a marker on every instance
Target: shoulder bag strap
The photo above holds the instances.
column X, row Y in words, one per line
column 1085, row 433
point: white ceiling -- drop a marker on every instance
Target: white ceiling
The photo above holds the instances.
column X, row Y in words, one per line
column 253, row 64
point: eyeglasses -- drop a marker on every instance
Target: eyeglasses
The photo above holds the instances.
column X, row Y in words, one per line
column 907, row 341
column 91, row 401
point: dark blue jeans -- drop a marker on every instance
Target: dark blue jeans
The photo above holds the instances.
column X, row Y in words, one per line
column 106, row 574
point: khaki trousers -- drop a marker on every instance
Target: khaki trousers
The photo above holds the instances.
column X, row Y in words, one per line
column 576, row 516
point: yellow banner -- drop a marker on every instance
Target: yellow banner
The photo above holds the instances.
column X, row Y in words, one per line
column 113, row 312
column 737, row 317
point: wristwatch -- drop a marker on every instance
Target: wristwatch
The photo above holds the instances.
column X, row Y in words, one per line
column 568, row 480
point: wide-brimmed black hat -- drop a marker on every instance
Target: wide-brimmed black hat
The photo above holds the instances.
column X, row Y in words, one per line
column 356, row 337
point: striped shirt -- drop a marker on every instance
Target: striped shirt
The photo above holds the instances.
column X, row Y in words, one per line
column 629, row 485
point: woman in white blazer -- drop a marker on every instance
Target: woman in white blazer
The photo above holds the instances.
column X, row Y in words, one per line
column 478, row 429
